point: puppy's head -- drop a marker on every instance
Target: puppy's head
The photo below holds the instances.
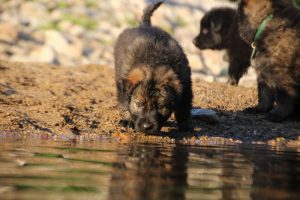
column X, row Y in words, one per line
column 214, row 28
column 250, row 14
column 153, row 95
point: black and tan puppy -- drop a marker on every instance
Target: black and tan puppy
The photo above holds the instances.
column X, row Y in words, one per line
column 153, row 77
column 219, row 30
column 276, row 58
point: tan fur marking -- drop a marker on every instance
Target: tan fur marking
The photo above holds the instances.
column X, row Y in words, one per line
column 167, row 76
column 136, row 75
column 257, row 10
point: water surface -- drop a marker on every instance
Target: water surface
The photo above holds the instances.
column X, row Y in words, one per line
column 48, row 169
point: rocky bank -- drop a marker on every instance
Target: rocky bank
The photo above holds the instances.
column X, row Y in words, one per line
column 80, row 102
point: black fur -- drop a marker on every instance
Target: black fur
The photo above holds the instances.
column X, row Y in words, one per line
column 219, row 30
column 153, row 77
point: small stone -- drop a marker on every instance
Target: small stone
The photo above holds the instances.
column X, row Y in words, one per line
column 204, row 77
column 33, row 12
column 68, row 48
column 21, row 162
column 195, row 61
column 76, row 30
column 207, row 115
column 56, row 40
column 43, row 54
column 8, row 32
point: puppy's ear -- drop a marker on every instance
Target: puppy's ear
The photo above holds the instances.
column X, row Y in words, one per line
column 167, row 78
column 134, row 77
column 216, row 24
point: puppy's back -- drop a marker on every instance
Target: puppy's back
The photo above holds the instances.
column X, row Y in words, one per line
column 147, row 45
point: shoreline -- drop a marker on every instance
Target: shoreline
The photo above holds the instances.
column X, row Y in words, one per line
column 81, row 101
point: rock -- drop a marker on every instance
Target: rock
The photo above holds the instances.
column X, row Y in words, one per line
column 207, row 115
column 195, row 61
column 16, row 50
column 249, row 80
column 222, row 79
column 56, row 40
column 34, row 13
column 64, row 25
column 76, row 30
column 56, row 15
column 204, row 77
column 43, row 54
column 69, row 47
column 8, row 32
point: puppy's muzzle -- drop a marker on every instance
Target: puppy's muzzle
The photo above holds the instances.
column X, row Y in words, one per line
column 147, row 126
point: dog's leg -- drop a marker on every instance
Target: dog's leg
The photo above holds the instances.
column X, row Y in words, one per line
column 233, row 80
column 122, row 99
column 125, row 118
column 285, row 106
column 236, row 71
column 266, row 98
column 183, row 110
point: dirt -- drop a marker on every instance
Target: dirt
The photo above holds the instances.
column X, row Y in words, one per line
column 81, row 101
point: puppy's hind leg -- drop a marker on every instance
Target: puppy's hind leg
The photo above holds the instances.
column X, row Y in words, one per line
column 266, row 97
column 285, row 106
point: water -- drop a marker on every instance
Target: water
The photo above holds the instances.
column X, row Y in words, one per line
column 47, row 169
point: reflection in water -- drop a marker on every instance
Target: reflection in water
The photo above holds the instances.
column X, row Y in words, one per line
column 105, row 170
column 277, row 174
column 150, row 172
column 219, row 173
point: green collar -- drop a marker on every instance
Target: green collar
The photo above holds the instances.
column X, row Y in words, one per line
column 262, row 27
column 258, row 33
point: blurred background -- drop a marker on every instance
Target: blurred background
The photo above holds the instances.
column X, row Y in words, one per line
column 75, row 32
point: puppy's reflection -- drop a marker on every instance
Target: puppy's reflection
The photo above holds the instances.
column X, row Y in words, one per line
column 150, row 172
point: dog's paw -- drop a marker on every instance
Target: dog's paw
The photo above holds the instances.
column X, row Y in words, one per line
column 126, row 123
column 186, row 128
column 255, row 110
column 233, row 81
column 275, row 117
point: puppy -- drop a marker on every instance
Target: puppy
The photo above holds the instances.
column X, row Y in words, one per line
column 276, row 55
column 219, row 30
column 153, row 77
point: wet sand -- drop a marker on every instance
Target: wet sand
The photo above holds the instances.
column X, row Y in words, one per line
column 81, row 102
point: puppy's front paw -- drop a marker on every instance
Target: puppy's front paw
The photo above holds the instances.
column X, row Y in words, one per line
column 232, row 81
column 186, row 128
column 126, row 123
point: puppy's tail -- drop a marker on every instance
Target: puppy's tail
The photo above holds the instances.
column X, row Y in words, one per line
column 147, row 13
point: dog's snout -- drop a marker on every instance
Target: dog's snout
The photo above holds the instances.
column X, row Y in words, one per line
column 147, row 126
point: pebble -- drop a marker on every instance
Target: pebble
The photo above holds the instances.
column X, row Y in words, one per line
column 8, row 33
column 33, row 12
column 43, row 54
column 207, row 115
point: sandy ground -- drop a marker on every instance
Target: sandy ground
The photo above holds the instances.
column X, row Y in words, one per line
column 81, row 101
